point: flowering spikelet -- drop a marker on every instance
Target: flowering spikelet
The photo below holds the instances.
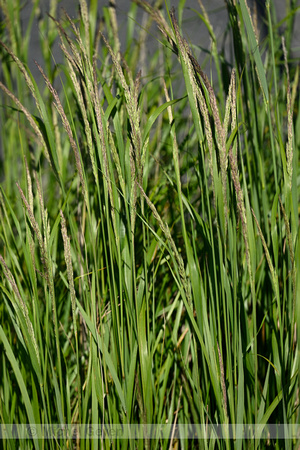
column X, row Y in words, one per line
column 289, row 144
column 30, row 120
column 37, row 231
column 165, row 229
column 240, row 204
column 223, row 385
column 67, row 127
column 68, row 259
column 21, row 304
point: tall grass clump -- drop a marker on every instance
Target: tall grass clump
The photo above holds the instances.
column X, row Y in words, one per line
column 149, row 235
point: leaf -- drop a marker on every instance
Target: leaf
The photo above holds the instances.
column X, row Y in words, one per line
column 20, row 381
column 254, row 48
column 155, row 115
column 103, row 349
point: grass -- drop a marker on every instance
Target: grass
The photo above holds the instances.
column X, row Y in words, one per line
column 149, row 241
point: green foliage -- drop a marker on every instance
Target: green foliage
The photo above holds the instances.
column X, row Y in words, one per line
column 149, row 241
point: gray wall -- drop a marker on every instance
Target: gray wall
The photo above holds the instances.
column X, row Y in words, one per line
column 194, row 30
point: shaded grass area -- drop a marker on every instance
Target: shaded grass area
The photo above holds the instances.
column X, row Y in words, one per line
column 149, row 243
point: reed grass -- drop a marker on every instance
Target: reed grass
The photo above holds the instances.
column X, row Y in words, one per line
column 149, row 241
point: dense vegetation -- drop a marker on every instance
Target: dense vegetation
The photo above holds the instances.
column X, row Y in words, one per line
column 149, row 228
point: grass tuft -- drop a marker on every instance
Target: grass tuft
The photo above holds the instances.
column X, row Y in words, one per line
column 149, row 228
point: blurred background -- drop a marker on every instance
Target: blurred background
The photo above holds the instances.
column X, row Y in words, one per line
column 193, row 28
